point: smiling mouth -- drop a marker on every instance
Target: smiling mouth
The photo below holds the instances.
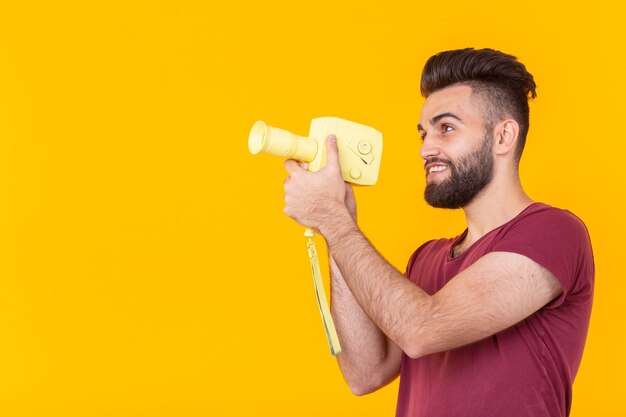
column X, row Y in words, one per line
column 437, row 168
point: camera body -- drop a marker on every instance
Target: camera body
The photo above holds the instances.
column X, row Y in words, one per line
column 360, row 147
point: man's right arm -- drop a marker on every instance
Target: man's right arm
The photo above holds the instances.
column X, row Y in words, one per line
column 369, row 359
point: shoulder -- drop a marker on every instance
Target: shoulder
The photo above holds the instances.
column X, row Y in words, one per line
column 430, row 246
column 548, row 221
column 427, row 246
column 435, row 249
column 552, row 237
column 542, row 210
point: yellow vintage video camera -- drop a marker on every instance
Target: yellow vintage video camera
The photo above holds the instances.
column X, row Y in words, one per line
column 360, row 149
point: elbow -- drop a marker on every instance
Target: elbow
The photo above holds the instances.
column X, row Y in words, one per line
column 360, row 390
column 422, row 340
column 373, row 382
column 417, row 347
column 414, row 352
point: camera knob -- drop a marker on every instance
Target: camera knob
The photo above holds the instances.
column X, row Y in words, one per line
column 355, row 173
column 364, row 148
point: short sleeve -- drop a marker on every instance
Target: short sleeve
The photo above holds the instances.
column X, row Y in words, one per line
column 414, row 256
column 557, row 240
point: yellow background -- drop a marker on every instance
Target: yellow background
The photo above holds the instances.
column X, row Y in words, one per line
column 146, row 267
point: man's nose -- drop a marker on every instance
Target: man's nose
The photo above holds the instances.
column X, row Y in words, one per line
column 429, row 148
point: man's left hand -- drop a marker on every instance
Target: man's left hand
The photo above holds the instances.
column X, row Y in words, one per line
column 315, row 199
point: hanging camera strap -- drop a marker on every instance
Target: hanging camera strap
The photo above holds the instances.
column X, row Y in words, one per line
column 327, row 319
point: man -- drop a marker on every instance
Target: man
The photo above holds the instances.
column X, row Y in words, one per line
column 492, row 322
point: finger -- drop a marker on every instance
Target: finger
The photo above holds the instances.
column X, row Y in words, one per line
column 332, row 153
column 292, row 166
column 303, row 165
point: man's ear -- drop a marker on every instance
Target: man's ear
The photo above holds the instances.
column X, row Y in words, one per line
column 505, row 136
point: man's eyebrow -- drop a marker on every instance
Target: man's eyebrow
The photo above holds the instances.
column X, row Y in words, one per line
column 439, row 117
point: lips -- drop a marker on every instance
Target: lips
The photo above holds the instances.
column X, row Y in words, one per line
column 434, row 168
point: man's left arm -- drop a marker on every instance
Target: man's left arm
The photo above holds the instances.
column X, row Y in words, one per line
column 497, row 291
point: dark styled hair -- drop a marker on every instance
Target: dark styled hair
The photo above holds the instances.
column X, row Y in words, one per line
column 502, row 82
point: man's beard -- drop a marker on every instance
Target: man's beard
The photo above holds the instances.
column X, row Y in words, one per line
column 467, row 178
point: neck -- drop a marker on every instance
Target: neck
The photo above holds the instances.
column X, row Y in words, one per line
column 495, row 205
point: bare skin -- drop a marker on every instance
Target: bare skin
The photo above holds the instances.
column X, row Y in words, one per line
column 378, row 312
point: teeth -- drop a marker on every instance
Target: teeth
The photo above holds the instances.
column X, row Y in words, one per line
column 436, row 169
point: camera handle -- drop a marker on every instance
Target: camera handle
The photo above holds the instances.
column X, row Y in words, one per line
column 327, row 319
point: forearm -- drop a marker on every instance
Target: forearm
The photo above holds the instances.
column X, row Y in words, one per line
column 382, row 292
column 364, row 360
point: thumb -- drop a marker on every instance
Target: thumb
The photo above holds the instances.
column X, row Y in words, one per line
column 332, row 153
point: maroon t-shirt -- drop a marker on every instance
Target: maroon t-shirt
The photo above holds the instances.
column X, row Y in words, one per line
column 527, row 369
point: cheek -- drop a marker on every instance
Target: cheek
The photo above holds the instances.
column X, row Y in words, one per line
column 461, row 146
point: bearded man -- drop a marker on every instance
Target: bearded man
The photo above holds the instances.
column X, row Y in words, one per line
column 492, row 322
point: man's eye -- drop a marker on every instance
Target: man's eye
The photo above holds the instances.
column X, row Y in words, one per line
column 447, row 128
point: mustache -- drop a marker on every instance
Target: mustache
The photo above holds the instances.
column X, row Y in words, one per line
column 438, row 160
